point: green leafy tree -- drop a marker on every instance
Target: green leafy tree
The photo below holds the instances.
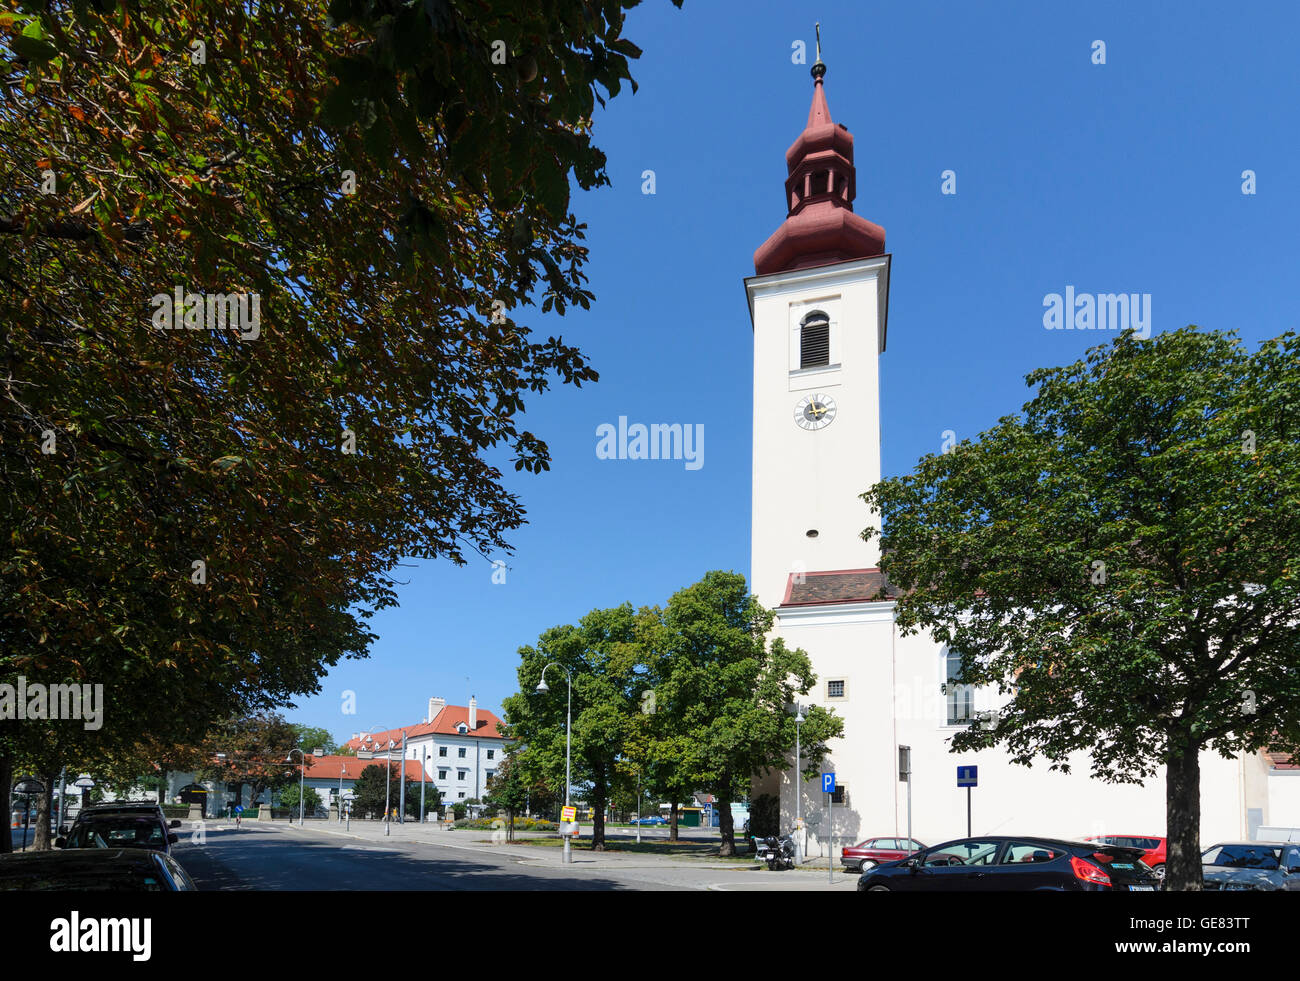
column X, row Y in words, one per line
column 312, row 738
column 507, row 790
column 203, row 520
column 604, row 656
column 371, row 798
column 726, row 691
column 256, row 750
column 1120, row 561
column 288, row 797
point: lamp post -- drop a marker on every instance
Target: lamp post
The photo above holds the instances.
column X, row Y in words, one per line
column 542, row 689
column 343, row 772
column 424, row 765
column 388, row 770
column 388, row 789
column 798, row 790
column 302, row 773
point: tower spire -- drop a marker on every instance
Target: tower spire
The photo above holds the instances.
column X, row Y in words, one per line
column 821, row 183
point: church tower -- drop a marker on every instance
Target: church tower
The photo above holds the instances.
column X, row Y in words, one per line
column 818, row 303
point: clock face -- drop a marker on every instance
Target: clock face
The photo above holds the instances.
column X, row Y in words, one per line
column 814, row 412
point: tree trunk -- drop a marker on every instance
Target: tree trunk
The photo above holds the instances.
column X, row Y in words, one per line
column 672, row 822
column 727, row 825
column 1183, row 819
column 6, row 782
column 598, row 800
column 44, row 807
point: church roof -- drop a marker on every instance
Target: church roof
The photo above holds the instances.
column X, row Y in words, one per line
column 839, row 586
column 820, row 227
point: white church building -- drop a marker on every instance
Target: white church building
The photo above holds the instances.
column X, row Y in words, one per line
column 819, row 305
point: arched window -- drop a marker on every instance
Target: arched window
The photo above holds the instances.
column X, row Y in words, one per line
column 961, row 698
column 815, row 340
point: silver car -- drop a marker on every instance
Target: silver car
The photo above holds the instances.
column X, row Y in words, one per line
column 1240, row 866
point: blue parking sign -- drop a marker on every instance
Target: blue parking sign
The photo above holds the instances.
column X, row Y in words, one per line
column 967, row 776
column 828, row 783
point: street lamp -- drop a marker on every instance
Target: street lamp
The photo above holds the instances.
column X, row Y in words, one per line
column 798, row 790
column 542, row 689
column 302, row 773
column 388, row 771
column 343, row 772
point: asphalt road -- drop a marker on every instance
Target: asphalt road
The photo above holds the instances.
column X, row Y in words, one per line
column 258, row 859
column 286, row 858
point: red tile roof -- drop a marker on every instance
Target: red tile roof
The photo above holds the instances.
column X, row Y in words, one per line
column 1281, row 761
column 443, row 724
column 839, row 586
column 332, row 767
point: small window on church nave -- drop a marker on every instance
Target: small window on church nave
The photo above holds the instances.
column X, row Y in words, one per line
column 960, row 698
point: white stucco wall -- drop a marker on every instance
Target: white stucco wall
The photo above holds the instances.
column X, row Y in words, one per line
column 893, row 696
column 1283, row 799
column 811, row 480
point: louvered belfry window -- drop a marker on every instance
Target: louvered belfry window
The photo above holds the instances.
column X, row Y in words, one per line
column 815, row 341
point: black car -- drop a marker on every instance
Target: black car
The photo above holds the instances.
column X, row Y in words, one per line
column 94, row 870
column 1254, row 866
column 119, row 828
column 998, row 863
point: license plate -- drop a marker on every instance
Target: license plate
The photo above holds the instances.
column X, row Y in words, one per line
column 1236, row 887
column 1141, row 888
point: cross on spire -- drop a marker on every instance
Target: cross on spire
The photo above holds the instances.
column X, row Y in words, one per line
column 819, row 67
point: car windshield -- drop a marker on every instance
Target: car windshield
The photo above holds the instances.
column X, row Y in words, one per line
column 124, row 831
column 1243, row 857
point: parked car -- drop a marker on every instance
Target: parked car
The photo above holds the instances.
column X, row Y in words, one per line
column 652, row 819
column 94, row 870
column 128, row 806
column 877, row 851
column 998, row 863
column 1233, row 866
column 1153, row 847
column 118, row 828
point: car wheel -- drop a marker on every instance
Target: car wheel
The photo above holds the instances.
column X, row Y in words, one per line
column 1159, row 870
column 866, row 865
column 878, row 889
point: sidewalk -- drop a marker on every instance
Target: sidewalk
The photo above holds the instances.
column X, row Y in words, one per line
column 494, row 842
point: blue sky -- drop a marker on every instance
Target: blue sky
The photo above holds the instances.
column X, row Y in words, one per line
column 1122, row 177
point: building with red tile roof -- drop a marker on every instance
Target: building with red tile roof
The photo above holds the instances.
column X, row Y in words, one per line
column 460, row 746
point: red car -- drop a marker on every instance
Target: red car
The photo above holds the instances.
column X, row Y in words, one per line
column 876, row 851
column 1153, row 847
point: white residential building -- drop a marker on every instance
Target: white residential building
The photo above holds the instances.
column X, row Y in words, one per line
column 460, row 747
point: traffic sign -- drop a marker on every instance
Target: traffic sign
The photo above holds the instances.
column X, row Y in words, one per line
column 968, row 776
column 568, row 814
column 828, row 783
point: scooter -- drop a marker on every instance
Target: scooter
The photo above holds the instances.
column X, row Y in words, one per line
column 777, row 852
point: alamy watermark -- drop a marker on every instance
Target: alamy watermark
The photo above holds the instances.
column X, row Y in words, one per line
column 1098, row 311
column 178, row 310
column 54, row 702
column 658, row 441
